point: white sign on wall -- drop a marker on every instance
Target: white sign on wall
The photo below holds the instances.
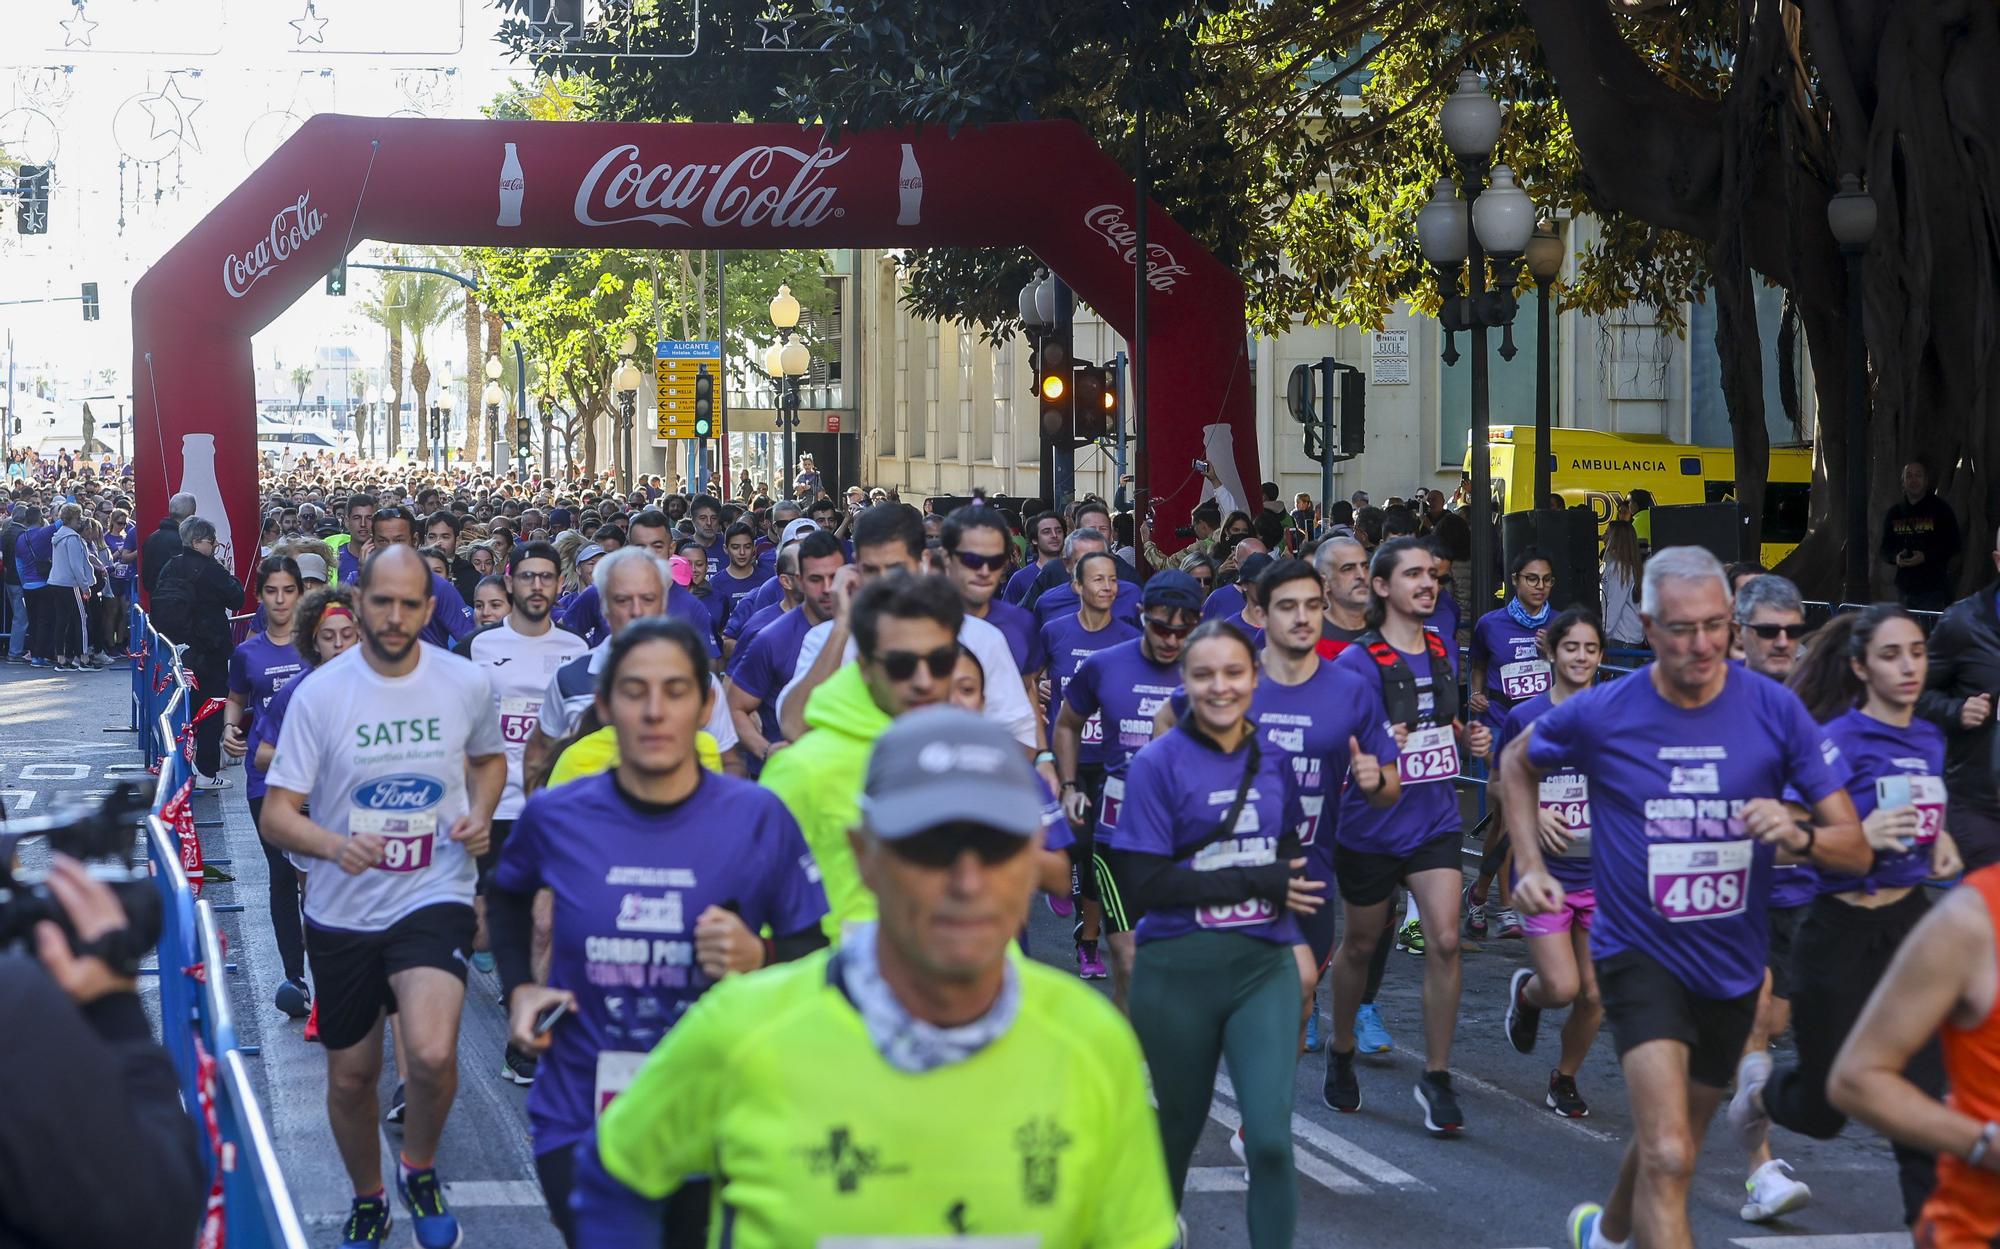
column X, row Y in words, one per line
column 1391, row 358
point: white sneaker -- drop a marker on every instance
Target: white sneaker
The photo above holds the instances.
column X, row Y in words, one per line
column 210, row 782
column 1242, row 1155
column 1746, row 1113
column 1772, row 1192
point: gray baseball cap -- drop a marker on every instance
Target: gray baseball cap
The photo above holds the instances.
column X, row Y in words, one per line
column 943, row 765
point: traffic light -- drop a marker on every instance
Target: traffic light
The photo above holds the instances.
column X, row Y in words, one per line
column 1096, row 401
column 336, row 280
column 521, row 433
column 90, row 310
column 1353, row 411
column 31, row 186
column 704, row 403
column 1055, row 384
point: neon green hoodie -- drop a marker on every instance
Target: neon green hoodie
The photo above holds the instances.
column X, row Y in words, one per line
column 819, row 777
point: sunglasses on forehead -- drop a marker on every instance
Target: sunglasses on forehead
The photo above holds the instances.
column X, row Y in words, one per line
column 1770, row 632
column 939, row 848
column 992, row 563
column 902, row 665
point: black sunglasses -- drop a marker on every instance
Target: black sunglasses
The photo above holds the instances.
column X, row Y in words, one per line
column 1171, row 630
column 1769, row 632
column 939, row 848
column 902, row 665
column 976, row 562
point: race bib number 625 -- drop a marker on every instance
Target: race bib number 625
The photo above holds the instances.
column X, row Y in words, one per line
column 1428, row 755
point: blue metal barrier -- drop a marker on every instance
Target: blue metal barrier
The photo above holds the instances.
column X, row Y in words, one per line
column 195, row 1016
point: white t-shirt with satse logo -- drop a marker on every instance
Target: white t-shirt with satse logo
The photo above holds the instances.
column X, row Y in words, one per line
column 387, row 755
column 519, row 668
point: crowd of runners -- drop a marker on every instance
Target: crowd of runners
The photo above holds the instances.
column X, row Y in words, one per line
column 624, row 749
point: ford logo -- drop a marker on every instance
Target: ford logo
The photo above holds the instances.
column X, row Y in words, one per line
column 398, row 793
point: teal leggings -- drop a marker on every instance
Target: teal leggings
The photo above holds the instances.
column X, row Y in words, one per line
column 1206, row 996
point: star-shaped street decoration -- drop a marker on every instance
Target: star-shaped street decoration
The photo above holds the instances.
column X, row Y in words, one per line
column 551, row 34
column 173, row 113
column 777, row 30
column 78, row 27
column 311, row 27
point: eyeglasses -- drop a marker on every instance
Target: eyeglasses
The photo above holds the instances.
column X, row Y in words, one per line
column 1770, row 632
column 992, row 563
column 1536, row 579
column 1158, row 625
column 536, row 577
column 902, row 665
column 939, row 848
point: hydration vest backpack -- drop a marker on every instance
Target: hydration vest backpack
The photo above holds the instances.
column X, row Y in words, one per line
column 1399, row 684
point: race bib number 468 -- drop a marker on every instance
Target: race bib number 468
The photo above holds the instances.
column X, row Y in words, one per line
column 1695, row 881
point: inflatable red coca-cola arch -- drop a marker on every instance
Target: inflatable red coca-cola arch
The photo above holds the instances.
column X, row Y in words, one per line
column 340, row 180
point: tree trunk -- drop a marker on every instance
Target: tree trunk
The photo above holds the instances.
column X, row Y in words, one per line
column 420, row 383
column 475, row 380
column 394, row 415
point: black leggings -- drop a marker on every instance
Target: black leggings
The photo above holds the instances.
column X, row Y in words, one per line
column 214, row 683
column 1841, row 952
column 687, row 1209
column 284, row 892
column 68, row 633
column 42, row 620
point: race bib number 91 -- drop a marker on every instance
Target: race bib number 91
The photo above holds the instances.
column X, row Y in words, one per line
column 1428, row 755
column 408, row 841
column 1694, row 881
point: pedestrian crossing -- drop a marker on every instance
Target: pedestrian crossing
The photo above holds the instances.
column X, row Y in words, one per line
column 1318, row 1149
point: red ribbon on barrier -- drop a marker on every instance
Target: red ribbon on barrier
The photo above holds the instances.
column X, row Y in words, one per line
column 161, row 679
column 207, row 709
column 178, row 815
column 213, row 1233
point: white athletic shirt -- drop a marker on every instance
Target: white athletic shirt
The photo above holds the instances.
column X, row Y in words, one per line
column 1006, row 698
column 387, row 755
column 519, row 668
column 569, row 695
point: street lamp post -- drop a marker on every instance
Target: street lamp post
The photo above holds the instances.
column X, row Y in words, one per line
column 441, row 430
column 373, row 400
column 1545, row 262
column 787, row 362
column 493, row 396
column 1850, row 214
column 1459, row 232
column 627, row 383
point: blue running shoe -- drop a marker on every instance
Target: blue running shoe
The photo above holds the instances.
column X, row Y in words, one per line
column 1312, row 1033
column 1583, row 1224
column 367, row 1225
column 423, row 1197
column 1370, row 1036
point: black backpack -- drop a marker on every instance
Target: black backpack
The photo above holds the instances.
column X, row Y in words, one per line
column 1399, row 684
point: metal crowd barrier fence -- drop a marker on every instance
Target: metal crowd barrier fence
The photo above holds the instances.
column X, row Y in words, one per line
column 249, row 1205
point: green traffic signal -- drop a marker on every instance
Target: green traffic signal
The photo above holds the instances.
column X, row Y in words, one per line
column 704, row 402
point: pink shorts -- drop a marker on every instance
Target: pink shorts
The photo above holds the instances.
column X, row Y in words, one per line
column 1579, row 909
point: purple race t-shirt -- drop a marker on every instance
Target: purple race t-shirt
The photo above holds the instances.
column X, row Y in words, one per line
column 1872, row 751
column 767, row 665
column 1444, row 618
column 1428, row 766
column 1565, row 790
column 1677, row 877
column 630, row 879
column 1224, row 602
column 1067, row 644
column 1123, row 689
column 1019, row 583
column 731, row 589
column 1062, row 602
column 770, row 594
column 1024, row 640
column 1310, row 724
column 258, row 669
column 1180, row 789
column 1515, row 670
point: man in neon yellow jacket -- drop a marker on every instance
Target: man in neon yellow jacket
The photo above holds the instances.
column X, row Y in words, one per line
column 905, row 629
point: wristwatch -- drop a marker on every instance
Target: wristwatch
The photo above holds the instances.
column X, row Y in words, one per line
column 1046, row 756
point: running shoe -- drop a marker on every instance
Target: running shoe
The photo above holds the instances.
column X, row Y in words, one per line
column 1564, row 1099
column 1524, row 1022
column 1060, row 905
column 1410, row 938
column 312, row 1025
column 437, row 1227
column 1772, row 1191
column 398, row 1104
column 1312, row 1033
column 1746, row 1111
column 368, row 1221
column 1441, row 1113
column 518, row 1068
column 1089, row 963
column 1583, row 1220
column 1475, row 917
column 482, row 960
column 1370, row 1036
column 1342, row 1091
column 1505, row 923
column 295, row 999
column 210, row 783
column 38, row 663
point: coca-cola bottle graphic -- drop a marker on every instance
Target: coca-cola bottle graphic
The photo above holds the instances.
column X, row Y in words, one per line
column 512, row 186
column 198, row 479
column 910, row 190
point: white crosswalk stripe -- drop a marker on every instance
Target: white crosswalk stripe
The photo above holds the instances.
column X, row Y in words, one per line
column 1858, row 1240
column 1338, row 1148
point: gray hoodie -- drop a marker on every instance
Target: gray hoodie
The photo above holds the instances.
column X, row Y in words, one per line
column 69, row 563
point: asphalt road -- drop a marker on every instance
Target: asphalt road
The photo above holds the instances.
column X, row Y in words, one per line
column 1371, row 1180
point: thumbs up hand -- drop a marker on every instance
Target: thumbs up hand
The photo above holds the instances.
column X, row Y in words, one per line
column 1363, row 769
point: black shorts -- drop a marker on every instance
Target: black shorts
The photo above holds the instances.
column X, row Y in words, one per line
column 491, row 859
column 1784, row 933
column 1089, row 779
column 351, row 970
column 1367, row 879
column 1643, row 1001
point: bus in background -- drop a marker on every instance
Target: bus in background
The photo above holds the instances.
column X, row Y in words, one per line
column 1599, row 470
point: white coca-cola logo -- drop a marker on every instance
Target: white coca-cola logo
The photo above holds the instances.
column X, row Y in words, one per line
column 1108, row 221
column 774, row 186
column 292, row 227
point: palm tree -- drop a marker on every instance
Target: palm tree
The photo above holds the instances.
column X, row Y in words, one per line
column 302, row 377
column 475, row 377
column 385, row 308
column 427, row 301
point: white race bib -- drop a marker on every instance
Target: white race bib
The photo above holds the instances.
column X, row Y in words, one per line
column 409, row 839
column 1114, row 802
column 518, row 717
column 1691, row 881
column 1223, row 854
column 1429, row 755
column 1524, row 678
column 616, row 1069
column 1568, row 795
